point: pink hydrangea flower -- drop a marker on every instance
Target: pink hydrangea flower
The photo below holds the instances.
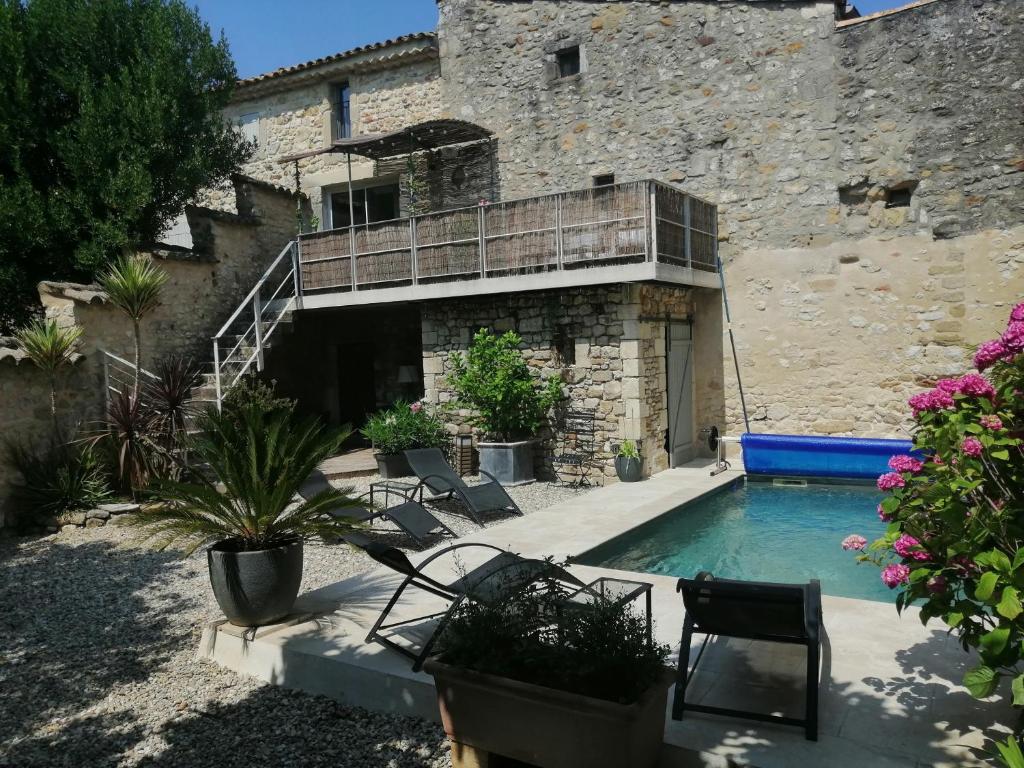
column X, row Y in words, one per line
column 891, row 480
column 854, row 542
column 952, row 386
column 991, row 422
column 416, row 407
column 972, row 446
column 988, row 354
column 975, row 385
column 884, row 516
column 932, row 400
column 895, row 574
column 936, row 584
column 1013, row 338
column 905, row 463
column 907, row 546
column 1017, row 313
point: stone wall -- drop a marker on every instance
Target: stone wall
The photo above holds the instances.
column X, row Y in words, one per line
column 607, row 344
column 868, row 176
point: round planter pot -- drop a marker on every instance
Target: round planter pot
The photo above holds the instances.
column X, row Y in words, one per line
column 629, row 470
column 392, row 465
column 255, row 588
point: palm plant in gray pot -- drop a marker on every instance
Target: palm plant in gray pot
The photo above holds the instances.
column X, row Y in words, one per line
column 242, row 507
column 629, row 467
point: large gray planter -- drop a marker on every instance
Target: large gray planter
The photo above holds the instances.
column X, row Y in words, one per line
column 391, row 465
column 509, row 463
column 628, row 469
column 255, row 588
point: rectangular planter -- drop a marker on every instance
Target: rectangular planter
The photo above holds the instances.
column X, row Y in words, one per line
column 546, row 727
column 510, row 463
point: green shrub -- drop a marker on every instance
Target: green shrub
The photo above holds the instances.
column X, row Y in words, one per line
column 251, row 391
column 628, row 450
column 493, row 379
column 602, row 650
column 404, row 426
column 55, row 481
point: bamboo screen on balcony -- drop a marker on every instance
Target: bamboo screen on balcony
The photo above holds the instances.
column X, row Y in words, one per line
column 605, row 223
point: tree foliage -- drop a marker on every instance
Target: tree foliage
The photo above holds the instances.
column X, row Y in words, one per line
column 110, row 122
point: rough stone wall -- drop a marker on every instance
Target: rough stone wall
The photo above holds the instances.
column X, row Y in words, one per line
column 301, row 118
column 607, row 344
column 868, row 177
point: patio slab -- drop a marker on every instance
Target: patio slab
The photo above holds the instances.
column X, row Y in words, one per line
column 889, row 690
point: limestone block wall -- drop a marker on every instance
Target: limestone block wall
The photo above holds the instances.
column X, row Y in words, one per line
column 606, row 343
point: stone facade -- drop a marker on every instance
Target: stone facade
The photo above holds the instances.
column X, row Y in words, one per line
column 606, row 343
column 867, row 173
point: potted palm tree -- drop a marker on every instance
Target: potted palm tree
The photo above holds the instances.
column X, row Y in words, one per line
column 553, row 682
column 509, row 403
column 252, row 528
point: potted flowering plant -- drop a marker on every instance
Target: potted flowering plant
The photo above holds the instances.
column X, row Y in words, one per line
column 956, row 512
column 399, row 428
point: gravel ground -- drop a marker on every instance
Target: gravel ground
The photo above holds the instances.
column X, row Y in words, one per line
column 98, row 636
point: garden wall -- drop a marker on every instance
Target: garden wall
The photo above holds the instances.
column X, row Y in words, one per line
column 867, row 173
column 607, row 343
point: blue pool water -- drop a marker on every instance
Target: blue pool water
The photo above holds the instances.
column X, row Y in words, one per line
column 760, row 532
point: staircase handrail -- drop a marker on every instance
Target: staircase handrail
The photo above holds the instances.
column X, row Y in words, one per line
column 247, row 301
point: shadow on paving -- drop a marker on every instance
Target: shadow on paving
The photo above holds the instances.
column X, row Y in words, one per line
column 79, row 621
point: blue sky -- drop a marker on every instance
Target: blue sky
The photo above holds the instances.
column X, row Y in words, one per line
column 267, row 34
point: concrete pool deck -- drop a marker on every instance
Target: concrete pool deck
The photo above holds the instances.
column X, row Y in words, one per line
column 889, row 686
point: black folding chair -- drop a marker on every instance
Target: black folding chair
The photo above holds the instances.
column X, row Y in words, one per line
column 437, row 475
column 777, row 613
column 409, row 516
column 499, row 578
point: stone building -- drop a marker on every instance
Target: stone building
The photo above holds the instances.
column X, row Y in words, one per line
column 865, row 172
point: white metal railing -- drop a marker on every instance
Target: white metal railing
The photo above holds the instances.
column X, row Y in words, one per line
column 119, row 374
column 620, row 223
column 240, row 343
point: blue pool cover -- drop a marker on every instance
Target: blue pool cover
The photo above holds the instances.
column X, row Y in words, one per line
column 818, row 456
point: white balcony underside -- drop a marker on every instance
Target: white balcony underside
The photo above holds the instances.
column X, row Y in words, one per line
column 543, row 281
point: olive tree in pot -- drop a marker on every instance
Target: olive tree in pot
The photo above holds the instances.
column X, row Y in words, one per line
column 538, row 681
column 400, row 428
column 509, row 403
column 628, row 465
column 251, row 525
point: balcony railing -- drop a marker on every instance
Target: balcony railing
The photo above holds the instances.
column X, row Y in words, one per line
column 601, row 226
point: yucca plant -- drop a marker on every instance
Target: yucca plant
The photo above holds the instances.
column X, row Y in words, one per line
column 51, row 347
column 60, row 479
column 260, row 459
column 128, row 432
column 169, row 397
column 133, row 283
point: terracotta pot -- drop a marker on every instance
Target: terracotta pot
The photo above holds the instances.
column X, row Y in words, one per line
column 255, row 588
column 549, row 728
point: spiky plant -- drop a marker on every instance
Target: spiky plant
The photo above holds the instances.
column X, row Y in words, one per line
column 260, row 459
column 55, row 480
column 51, row 347
column 133, row 283
column 169, row 397
column 128, row 434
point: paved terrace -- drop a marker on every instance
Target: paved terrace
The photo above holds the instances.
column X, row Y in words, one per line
column 889, row 692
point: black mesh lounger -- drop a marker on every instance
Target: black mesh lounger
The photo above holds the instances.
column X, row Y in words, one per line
column 779, row 613
column 440, row 479
column 503, row 575
column 408, row 516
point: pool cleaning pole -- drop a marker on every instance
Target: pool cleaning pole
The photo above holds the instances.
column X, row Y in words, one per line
column 732, row 342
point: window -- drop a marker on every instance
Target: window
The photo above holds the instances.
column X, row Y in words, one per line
column 568, row 61
column 899, row 198
column 343, row 112
column 249, row 126
column 604, row 179
column 369, row 204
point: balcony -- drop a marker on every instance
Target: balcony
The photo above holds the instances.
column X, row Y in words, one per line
column 634, row 231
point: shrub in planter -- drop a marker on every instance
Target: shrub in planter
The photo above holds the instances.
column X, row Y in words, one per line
column 509, row 404
column 956, row 512
column 399, row 428
column 537, row 681
column 253, row 531
column 628, row 466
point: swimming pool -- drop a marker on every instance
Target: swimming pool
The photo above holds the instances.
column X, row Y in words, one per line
column 759, row 531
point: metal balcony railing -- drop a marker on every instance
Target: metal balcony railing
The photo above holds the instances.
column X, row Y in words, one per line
column 599, row 226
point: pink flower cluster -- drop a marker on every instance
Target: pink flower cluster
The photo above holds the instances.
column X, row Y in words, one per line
column 905, row 463
column 854, row 542
column 895, row 574
column 891, row 480
column 932, row 400
column 1007, row 346
column 909, row 547
column 971, row 446
column 991, row 422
